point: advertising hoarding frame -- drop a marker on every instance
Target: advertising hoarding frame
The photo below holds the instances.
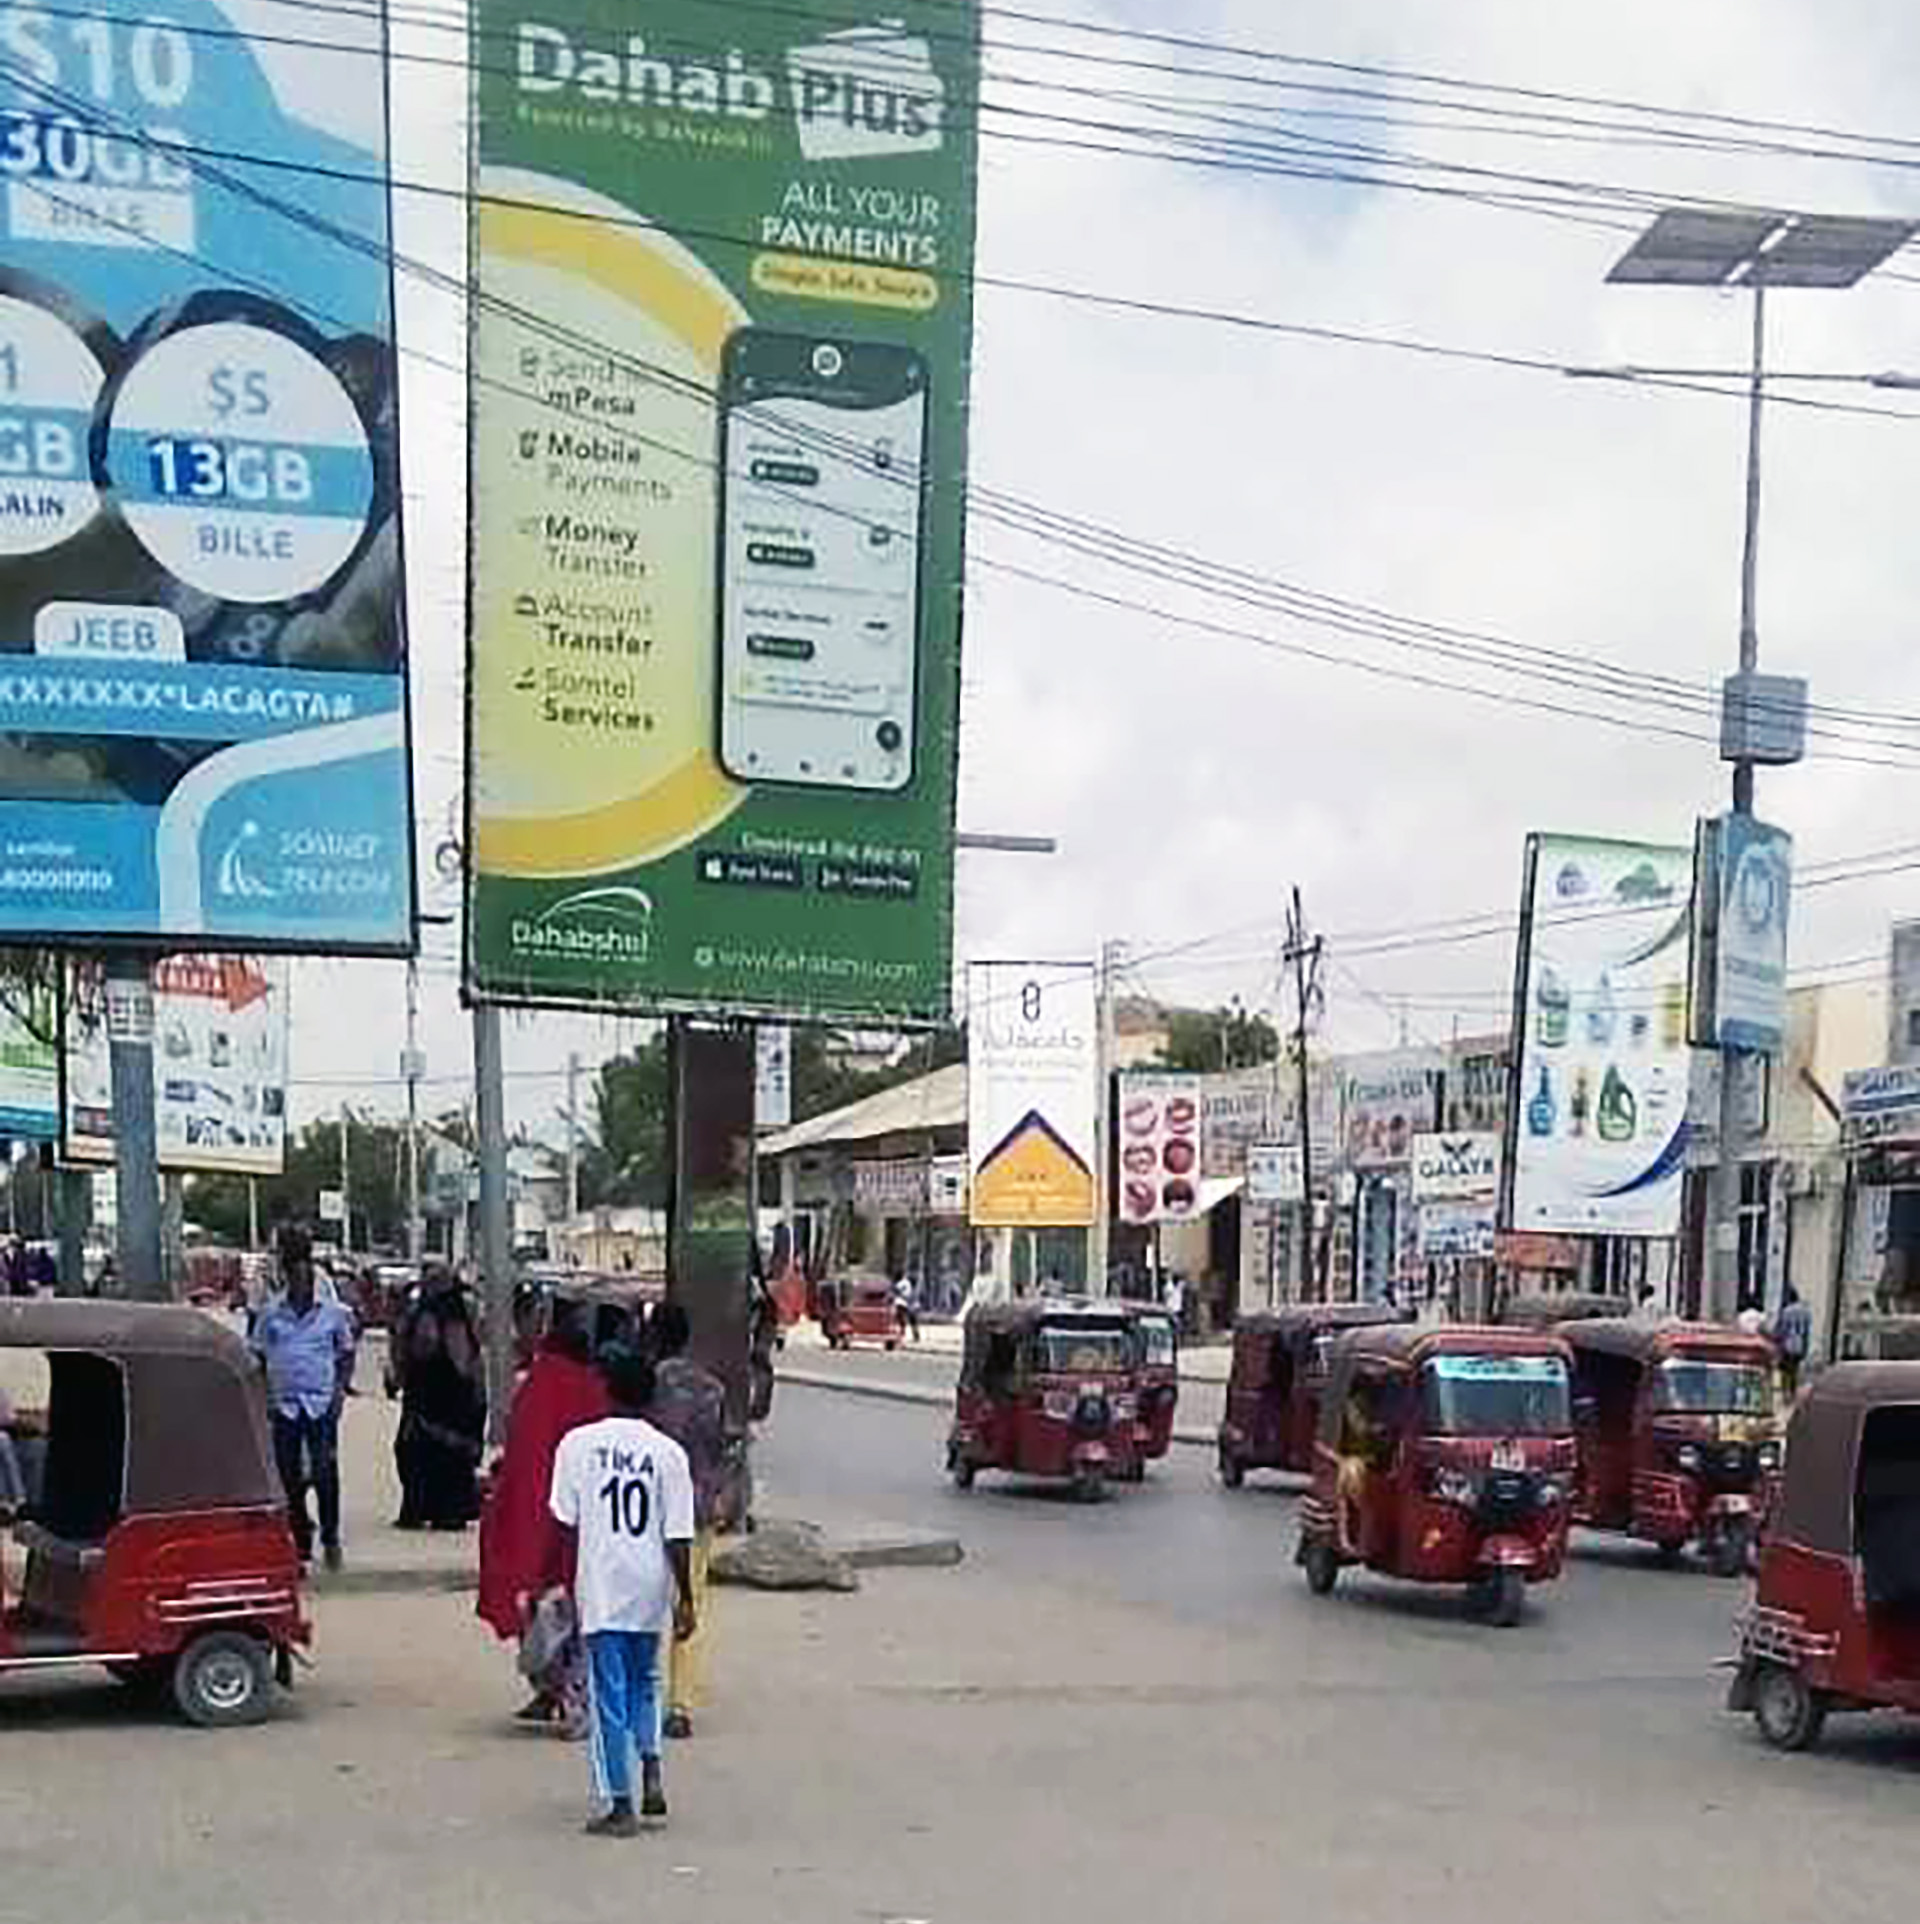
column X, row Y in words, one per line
column 1049, row 1120
column 662, row 881
column 223, row 294
column 1627, row 1208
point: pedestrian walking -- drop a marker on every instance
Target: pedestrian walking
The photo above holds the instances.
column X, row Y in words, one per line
column 308, row 1349
column 521, row 1568
column 690, row 1405
column 1793, row 1337
column 906, row 1306
column 623, row 1495
column 443, row 1410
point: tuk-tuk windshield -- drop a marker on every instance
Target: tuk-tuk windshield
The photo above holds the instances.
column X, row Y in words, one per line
column 1061, row 1351
column 1158, row 1346
column 1692, row 1387
column 1495, row 1396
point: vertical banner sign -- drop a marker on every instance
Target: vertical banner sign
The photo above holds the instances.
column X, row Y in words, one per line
column 29, row 1049
column 1752, row 876
column 203, row 734
column 1032, row 1075
column 1599, row 1120
column 772, row 1076
column 1160, row 1147
column 722, row 257
column 218, row 1026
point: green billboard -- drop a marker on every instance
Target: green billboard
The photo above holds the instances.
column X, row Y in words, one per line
column 721, row 327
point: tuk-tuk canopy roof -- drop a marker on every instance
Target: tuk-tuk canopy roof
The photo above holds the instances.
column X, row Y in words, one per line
column 1823, row 1450
column 1031, row 1314
column 195, row 1406
column 1410, row 1344
column 1317, row 1319
column 1645, row 1343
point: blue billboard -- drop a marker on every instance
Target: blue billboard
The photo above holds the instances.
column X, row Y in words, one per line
column 203, row 691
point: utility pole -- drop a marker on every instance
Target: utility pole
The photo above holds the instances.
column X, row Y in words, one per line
column 1303, row 956
column 346, row 1181
column 136, row 1148
column 573, row 1138
column 1099, row 1250
column 496, row 1279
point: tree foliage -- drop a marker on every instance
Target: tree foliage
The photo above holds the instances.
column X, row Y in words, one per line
column 1203, row 1040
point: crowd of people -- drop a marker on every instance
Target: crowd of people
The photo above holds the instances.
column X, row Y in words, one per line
column 596, row 1518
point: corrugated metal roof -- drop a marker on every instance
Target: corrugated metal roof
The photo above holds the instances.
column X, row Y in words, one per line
column 936, row 1101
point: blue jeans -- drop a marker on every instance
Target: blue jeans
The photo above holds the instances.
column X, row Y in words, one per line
column 623, row 1706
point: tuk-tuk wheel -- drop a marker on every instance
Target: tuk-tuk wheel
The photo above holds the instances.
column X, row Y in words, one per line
column 1089, row 1486
column 1787, row 1710
column 1322, row 1565
column 1232, row 1471
column 223, row 1679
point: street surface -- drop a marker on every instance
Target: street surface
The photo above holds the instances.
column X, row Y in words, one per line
column 1134, row 1710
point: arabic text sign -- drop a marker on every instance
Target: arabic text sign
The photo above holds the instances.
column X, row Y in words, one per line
column 203, row 689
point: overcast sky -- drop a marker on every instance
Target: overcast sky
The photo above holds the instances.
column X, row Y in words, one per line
column 1191, row 777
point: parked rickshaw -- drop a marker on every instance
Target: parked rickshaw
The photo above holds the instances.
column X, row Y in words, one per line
column 155, row 1532
column 860, row 1309
column 1274, row 1387
column 1047, row 1389
column 1157, row 1392
column 1835, row 1621
column 1443, row 1456
column 1678, row 1439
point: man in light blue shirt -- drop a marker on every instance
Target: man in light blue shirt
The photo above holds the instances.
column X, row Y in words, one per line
column 307, row 1347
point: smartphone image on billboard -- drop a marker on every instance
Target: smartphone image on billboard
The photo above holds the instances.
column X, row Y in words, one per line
column 822, row 512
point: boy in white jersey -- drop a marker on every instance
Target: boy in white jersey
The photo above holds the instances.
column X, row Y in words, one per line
column 624, row 1491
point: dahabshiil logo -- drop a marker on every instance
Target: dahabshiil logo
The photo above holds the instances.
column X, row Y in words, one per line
column 613, row 923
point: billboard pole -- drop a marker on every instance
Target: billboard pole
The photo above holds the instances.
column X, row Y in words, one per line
column 136, row 1148
column 496, row 1279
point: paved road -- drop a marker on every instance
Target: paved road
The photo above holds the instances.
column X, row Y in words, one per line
column 1135, row 1711
column 1184, row 1548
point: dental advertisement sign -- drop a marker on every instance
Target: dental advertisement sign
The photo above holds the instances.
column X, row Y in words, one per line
column 721, row 335
column 1597, row 1121
column 203, row 732
column 219, row 1063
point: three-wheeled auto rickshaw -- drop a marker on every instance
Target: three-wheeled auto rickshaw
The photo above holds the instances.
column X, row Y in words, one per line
column 860, row 1309
column 1047, row 1389
column 154, row 1531
column 1274, row 1387
column 1835, row 1621
column 1678, row 1442
column 1444, row 1455
column 1157, row 1388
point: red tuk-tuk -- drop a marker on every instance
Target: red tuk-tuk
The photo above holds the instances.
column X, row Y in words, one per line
column 1273, row 1389
column 1047, row 1389
column 152, row 1521
column 1678, row 1441
column 859, row 1309
column 1444, row 1456
column 1835, row 1621
column 1157, row 1391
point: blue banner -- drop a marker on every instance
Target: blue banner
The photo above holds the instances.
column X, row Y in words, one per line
column 203, row 697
